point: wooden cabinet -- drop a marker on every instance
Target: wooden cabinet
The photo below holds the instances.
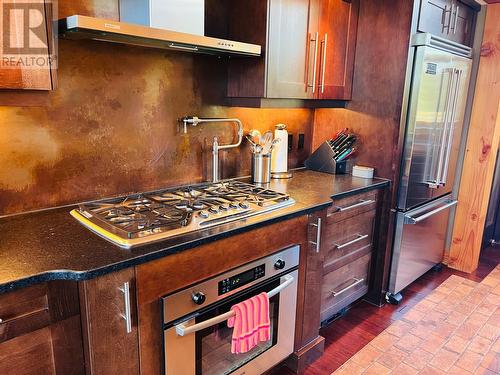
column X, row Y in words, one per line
column 308, row 48
column 40, row 330
column 450, row 19
column 27, row 57
column 340, row 260
column 338, row 27
column 109, row 318
column 291, row 50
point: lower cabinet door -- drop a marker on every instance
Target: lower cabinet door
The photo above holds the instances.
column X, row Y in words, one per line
column 109, row 317
column 344, row 286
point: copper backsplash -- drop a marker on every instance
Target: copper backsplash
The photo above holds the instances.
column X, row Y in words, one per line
column 110, row 128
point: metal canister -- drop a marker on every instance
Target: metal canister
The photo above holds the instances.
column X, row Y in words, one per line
column 261, row 168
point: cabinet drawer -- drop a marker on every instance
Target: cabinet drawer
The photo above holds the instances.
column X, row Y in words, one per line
column 23, row 311
column 450, row 19
column 344, row 285
column 345, row 208
column 435, row 15
column 347, row 240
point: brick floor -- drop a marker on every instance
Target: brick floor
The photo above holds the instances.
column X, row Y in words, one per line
column 454, row 330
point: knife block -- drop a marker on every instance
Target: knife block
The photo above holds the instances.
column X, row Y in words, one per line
column 322, row 161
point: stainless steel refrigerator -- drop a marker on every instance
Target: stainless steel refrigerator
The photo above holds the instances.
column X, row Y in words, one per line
column 433, row 130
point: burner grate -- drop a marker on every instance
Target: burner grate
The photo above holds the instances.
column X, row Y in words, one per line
column 171, row 212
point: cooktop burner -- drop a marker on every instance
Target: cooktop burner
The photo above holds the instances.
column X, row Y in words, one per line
column 143, row 218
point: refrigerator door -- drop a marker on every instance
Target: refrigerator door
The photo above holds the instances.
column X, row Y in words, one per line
column 434, row 125
column 419, row 242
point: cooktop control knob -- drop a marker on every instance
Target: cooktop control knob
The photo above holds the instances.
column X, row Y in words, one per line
column 198, row 298
column 244, row 205
column 279, row 264
column 203, row 214
column 233, row 205
column 223, row 207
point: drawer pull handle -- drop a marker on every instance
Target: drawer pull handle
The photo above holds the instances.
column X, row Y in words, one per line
column 359, row 237
column 356, row 282
column 127, row 316
column 361, row 203
column 318, row 235
column 415, row 220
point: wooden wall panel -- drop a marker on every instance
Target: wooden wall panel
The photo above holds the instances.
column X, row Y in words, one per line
column 480, row 157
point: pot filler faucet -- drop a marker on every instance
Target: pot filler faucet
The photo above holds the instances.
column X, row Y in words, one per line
column 194, row 121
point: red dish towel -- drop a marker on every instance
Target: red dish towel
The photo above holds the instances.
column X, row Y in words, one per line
column 251, row 323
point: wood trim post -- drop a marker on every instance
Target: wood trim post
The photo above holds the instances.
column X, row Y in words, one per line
column 480, row 157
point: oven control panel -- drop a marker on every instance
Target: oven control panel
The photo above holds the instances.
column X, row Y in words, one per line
column 220, row 287
column 236, row 281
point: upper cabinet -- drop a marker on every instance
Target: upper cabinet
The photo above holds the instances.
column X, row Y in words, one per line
column 27, row 45
column 308, row 48
column 450, row 19
column 292, row 48
column 338, row 29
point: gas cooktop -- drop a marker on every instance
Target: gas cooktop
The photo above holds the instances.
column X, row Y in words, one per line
column 144, row 218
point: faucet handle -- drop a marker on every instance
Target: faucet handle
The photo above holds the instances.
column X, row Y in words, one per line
column 189, row 120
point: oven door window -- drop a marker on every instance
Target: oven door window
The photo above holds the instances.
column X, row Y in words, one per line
column 213, row 344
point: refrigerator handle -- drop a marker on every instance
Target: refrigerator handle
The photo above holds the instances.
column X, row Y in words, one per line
column 445, row 127
column 452, row 127
column 415, row 220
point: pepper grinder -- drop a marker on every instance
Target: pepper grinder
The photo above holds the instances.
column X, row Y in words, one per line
column 279, row 157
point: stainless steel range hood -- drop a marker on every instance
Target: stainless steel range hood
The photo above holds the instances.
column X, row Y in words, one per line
column 83, row 27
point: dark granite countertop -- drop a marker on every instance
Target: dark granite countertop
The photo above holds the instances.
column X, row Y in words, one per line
column 52, row 245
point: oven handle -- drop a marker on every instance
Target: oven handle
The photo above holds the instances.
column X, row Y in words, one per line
column 182, row 330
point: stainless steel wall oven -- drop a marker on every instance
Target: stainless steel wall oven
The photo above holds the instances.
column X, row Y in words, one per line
column 197, row 339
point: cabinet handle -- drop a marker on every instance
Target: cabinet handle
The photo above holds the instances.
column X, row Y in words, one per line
column 318, row 235
column 356, row 282
column 324, row 44
column 183, row 48
column 456, row 20
column 315, row 63
column 443, row 19
column 308, row 61
column 126, row 298
column 359, row 237
column 444, row 175
column 447, row 112
column 415, row 220
column 361, row 203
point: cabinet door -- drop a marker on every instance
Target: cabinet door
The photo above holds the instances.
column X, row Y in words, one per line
column 435, row 17
column 292, row 50
column 109, row 317
column 462, row 24
column 26, row 54
column 314, row 276
column 338, row 29
column 40, row 330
